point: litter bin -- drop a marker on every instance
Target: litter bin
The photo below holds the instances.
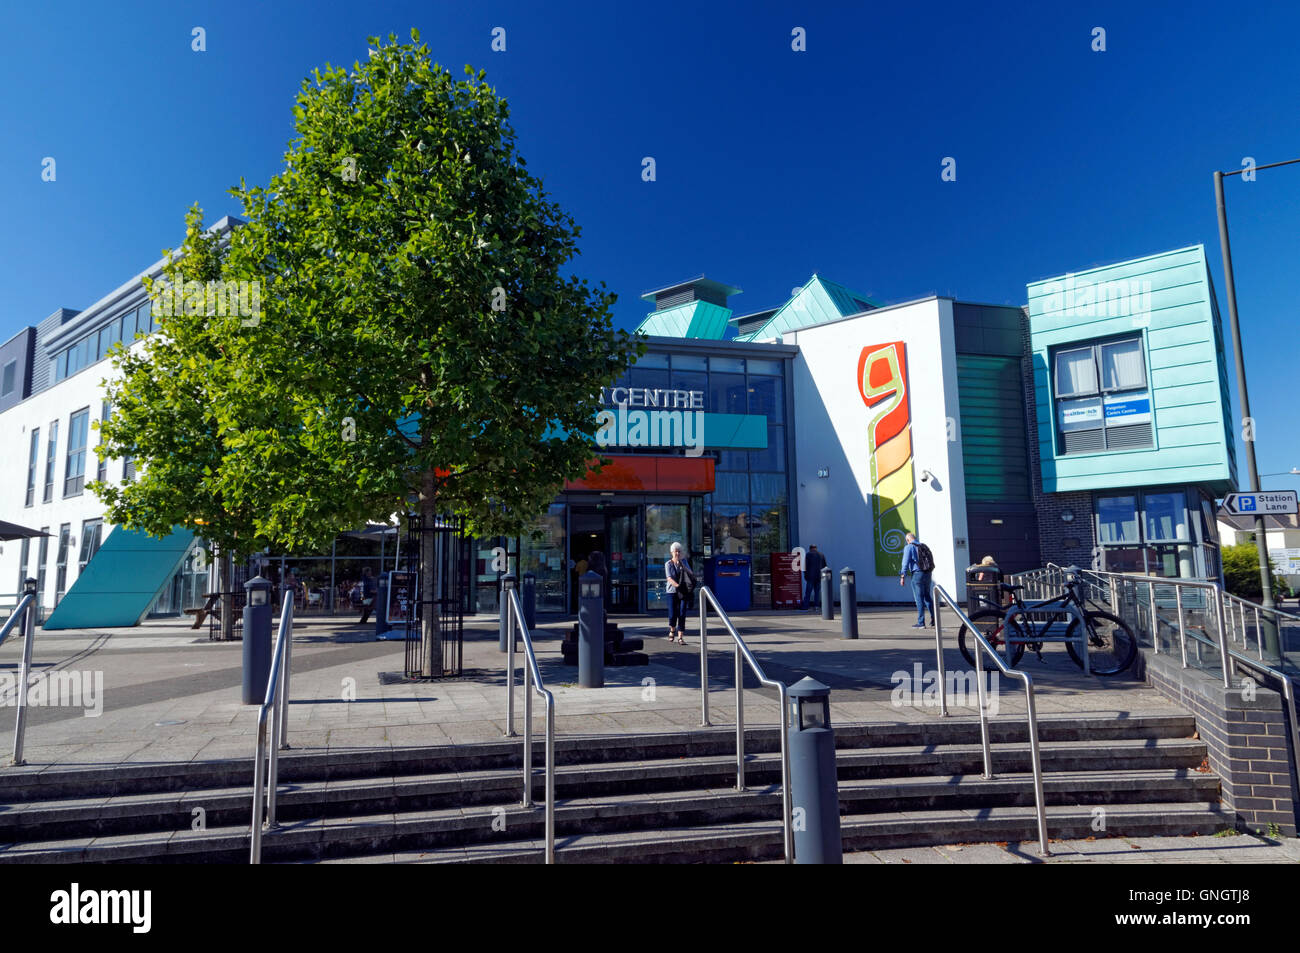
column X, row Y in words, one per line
column 982, row 592
column 728, row 576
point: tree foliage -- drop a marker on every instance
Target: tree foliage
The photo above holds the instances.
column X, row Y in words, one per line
column 419, row 336
column 1241, row 572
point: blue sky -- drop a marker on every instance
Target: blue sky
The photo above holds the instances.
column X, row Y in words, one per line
column 771, row 164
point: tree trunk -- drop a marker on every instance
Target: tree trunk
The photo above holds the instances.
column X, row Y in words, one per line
column 431, row 632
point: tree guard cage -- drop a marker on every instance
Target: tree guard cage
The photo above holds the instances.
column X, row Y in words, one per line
column 438, row 556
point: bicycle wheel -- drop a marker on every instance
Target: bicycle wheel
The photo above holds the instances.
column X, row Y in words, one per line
column 1111, row 646
column 989, row 622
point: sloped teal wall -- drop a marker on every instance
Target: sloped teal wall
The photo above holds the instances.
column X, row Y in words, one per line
column 122, row 580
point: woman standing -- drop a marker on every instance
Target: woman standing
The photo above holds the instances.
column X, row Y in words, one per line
column 681, row 586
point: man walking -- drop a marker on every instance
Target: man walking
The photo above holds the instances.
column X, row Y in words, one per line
column 367, row 594
column 813, row 563
column 919, row 561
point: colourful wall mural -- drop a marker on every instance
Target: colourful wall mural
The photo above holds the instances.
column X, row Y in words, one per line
column 882, row 382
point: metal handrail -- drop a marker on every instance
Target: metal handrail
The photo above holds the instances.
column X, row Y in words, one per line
column 25, row 610
column 1035, row 754
column 1229, row 656
column 744, row 655
column 532, row 681
column 1151, row 582
column 275, row 705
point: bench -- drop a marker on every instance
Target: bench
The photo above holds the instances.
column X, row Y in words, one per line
column 210, row 608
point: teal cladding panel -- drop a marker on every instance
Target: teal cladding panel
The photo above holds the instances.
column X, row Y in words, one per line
column 122, row 580
column 994, row 444
column 817, row 302
column 1168, row 300
column 695, row 319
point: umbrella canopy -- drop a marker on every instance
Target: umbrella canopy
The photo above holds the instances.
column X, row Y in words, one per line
column 10, row 531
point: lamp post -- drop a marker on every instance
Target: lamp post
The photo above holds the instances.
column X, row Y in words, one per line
column 1269, row 635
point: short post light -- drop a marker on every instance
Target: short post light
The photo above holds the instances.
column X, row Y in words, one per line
column 814, row 784
column 257, row 639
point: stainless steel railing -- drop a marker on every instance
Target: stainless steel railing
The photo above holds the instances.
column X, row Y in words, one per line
column 1035, row 753
column 1222, row 617
column 745, row 656
column 266, row 768
column 532, row 682
column 25, row 610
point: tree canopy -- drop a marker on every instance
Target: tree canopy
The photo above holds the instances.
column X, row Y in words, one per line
column 407, row 329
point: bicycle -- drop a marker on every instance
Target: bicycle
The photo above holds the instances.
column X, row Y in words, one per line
column 1111, row 645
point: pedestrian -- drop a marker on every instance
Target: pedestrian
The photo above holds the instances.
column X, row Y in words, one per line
column 919, row 562
column 367, row 594
column 813, row 563
column 680, row 580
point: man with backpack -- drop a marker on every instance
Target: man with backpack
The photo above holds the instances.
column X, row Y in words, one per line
column 813, row 563
column 919, row 561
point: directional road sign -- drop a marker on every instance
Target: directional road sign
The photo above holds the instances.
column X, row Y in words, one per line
column 1266, row 502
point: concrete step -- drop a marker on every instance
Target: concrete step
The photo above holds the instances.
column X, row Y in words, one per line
column 912, row 804
column 762, row 840
column 46, row 782
column 175, row 810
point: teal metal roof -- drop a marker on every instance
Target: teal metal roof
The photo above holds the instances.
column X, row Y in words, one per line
column 122, row 580
column 817, row 302
column 695, row 319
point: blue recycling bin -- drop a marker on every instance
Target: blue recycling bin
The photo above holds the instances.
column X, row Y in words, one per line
column 728, row 576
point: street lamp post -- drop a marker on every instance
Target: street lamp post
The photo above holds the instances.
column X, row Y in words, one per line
column 1269, row 635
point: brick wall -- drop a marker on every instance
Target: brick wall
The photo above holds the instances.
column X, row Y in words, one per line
column 1247, row 740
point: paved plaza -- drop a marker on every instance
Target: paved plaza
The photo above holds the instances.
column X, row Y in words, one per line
column 171, row 695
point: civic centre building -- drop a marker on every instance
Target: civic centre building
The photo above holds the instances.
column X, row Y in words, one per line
column 1090, row 426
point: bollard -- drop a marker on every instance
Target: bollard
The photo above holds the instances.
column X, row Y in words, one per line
column 257, row 639
column 848, row 603
column 528, row 596
column 591, row 630
column 828, row 606
column 507, row 583
column 814, row 783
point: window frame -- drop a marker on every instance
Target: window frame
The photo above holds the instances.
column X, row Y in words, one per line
column 33, row 464
column 51, row 459
column 1100, row 393
column 78, row 453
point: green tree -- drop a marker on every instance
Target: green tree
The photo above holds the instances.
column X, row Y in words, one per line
column 1241, row 572
column 419, row 342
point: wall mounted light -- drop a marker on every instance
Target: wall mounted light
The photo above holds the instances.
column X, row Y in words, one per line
column 823, row 473
column 1067, row 516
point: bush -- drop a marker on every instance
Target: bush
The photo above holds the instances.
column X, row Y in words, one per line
column 1241, row 573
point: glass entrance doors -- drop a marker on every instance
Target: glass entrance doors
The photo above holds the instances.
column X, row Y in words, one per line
column 614, row 531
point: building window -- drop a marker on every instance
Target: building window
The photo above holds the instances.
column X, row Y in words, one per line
column 1103, row 401
column 33, row 457
column 90, row 540
column 128, row 469
column 61, row 563
column 1148, row 533
column 22, row 563
column 101, row 469
column 9, row 379
column 51, row 446
column 42, row 557
column 74, row 472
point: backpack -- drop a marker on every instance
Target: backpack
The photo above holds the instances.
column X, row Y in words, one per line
column 924, row 558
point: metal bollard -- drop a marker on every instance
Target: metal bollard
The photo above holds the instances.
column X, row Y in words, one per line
column 814, row 781
column 591, row 630
column 848, row 603
column 528, row 595
column 828, row 607
column 503, row 634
